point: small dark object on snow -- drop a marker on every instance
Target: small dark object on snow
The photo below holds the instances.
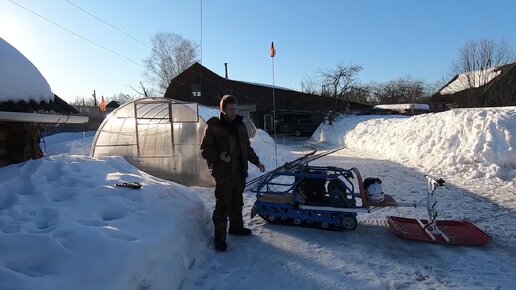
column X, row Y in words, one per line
column 133, row 185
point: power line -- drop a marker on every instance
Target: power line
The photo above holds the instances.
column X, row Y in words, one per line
column 105, row 22
column 82, row 37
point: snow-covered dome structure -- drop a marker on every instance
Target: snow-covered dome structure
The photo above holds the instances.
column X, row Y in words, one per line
column 20, row 80
column 26, row 101
column 161, row 137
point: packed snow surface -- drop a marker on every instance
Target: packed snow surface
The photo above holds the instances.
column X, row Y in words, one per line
column 20, row 80
column 471, row 143
column 372, row 257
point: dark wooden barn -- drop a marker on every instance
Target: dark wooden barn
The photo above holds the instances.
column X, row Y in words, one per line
column 199, row 84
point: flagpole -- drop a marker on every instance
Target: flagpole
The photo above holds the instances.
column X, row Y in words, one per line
column 274, row 114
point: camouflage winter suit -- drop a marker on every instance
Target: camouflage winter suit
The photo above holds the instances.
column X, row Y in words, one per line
column 230, row 136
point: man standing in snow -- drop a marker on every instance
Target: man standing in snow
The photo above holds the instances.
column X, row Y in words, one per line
column 227, row 149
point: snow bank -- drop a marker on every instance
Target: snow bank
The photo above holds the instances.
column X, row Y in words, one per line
column 20, row 80
column 401, row 107
column 65, row 225
column 263, row 145
column 69, row 143
column 474, row 143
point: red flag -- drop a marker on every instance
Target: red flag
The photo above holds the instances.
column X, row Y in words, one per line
column 273, row 50
column 102, row 105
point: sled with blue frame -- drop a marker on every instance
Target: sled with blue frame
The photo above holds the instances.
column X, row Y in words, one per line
column 326, row 197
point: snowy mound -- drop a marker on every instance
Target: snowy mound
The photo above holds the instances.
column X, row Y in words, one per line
column 20, row 80
column 65, row 225
column 68, row 143
column 474, row 143
column 263, row 145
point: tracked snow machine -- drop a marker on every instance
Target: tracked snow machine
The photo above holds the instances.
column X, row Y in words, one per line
column 330, row 198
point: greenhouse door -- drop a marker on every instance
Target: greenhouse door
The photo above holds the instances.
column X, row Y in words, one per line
column 267, row 122
column 153, row 129
column 161, row 126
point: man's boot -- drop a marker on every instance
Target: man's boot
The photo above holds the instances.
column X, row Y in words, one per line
column 240, row 231
column 220, row 244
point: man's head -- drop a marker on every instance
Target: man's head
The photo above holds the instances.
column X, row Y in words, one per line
column 228, row 106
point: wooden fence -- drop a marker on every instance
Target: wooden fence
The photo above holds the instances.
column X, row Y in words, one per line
column 96, row 117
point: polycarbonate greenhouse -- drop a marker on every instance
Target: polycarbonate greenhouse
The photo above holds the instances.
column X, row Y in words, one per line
column 161, row 137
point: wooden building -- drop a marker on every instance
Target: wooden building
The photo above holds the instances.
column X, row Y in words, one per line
column 20, row 132
column 199, row 84
column 489, row 88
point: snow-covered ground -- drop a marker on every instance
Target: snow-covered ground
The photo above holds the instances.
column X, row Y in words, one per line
column 63, row 223
column 69, row 143
column 283, row 257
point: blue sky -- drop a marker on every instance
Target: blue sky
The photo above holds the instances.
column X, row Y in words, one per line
column 390, row 39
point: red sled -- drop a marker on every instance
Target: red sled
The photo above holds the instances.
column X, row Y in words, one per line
column 444, row 232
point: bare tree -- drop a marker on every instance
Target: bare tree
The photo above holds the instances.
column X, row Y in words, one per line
column 145, row 92
column 361, row 94
column 338, row 81
column 171, row 54
column 433, row 88
column 479, row 56
column 83, row 101
column 310, row 85
column 402, row 90
column 122, row 98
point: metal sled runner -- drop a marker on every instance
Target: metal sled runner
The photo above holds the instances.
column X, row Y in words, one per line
column 326, row 197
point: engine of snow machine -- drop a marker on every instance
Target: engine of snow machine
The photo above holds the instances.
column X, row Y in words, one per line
column 308, row 195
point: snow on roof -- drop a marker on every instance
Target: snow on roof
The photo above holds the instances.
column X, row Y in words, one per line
column 468, row 80
column 400, row 107
column 20, row 80
column 265, row 85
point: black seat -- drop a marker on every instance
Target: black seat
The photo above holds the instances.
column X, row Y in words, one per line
column 337, row 191
column 313, row 189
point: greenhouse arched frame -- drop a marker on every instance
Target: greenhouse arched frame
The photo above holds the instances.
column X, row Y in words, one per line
column 161, row 137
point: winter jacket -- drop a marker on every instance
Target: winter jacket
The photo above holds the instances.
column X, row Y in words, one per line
column 216, row 140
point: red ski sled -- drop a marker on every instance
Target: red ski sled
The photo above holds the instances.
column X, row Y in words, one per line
column 446, row 232
column 449, row 232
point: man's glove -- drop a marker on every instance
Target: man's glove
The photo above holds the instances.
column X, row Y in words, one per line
column 261, row 167
column 224, row 156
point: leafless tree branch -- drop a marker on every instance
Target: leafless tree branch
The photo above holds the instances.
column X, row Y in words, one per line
column 171, row 54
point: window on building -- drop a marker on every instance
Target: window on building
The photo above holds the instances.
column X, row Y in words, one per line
column 196, row 90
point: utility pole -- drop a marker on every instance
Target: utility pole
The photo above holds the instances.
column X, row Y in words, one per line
column 95, row 97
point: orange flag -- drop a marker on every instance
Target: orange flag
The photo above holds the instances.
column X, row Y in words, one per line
column 273, row 50
column 102, row 105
